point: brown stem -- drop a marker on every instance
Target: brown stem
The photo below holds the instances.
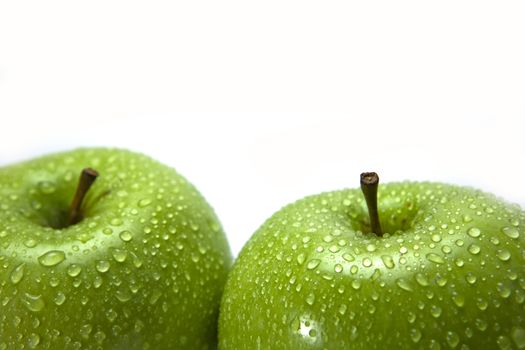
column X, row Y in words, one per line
column 369, row 184
column 87, row 178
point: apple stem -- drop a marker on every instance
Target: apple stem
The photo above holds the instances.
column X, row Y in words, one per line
column 369, row 184
column 87, row 178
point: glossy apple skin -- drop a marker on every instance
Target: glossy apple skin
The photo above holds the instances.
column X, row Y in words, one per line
column 450, row 275
column 144, row 269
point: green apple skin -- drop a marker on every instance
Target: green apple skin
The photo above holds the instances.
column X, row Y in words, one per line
column 451, row 274
column 144, row 269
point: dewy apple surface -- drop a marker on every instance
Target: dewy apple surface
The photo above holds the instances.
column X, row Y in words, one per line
column 142, row 265
column 447, row 273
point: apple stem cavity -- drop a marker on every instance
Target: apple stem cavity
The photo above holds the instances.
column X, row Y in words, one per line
column 369, row 185
column 87, row 178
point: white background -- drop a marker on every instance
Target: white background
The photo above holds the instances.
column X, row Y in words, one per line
column 262, row 103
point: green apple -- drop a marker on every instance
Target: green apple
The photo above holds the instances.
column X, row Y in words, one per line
column 448, row 272
column 140, row 263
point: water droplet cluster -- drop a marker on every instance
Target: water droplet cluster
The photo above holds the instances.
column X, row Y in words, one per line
column 449, row 273
column 142, row 270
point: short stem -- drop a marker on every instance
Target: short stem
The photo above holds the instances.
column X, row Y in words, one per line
column 369, row 184
column 87, row 178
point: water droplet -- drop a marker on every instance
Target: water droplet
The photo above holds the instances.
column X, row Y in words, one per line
column 441, row 280
column 459, row 300
column 403, row 284
column 137, row 261
column 338, row 268
column 194, row 226
column 116, row 222
column 111, row 315
column 342, row 309
column 54, row 281
column 46, row 187
column 155, row 296
column 310, row 299
column 367, row 262
column 388, row 261
column 33, row 340
column 74, row 270
column 30, row 243
column 99, row 336
column 33, row 302
column 60, row 298
column 375, row 275
column 215, row 226
column 481, row 304
column 481, row 324
column 97, row 282
column 503, row 254
column 301, row 258
column 504, row 342
column 102, row 266
column 474, row 249
column 504, row 290
column 144, row 202
column 334, row 249
column 356, row 284
column 436, row 238
column 85, row 330
column 518, row 336
column 437, row 259
column 52, row 258
column 139, row 325
column 452, row 339
column 411, row 317
column 17, row 274
column 312, row 264
column 474, row 232
column 126, row 236
column 514, row 221
column 459, row 262
column 123, row 295
column 435, row 311
column 84, row 237
column 467, row 218
column 348, row 257
column 119, row 255
column 415, row 335
column 421, row 279
column 471, row 278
